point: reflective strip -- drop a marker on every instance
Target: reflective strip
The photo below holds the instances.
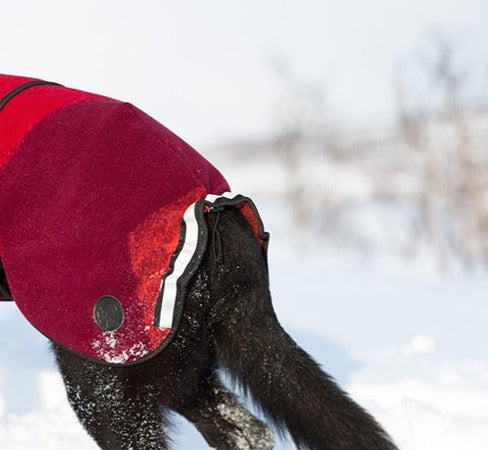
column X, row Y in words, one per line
column 169, row 284
column 212, row 198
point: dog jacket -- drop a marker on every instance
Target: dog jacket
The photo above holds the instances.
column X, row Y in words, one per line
column 101, row 218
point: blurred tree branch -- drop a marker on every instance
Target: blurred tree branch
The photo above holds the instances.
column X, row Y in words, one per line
column 452, row 198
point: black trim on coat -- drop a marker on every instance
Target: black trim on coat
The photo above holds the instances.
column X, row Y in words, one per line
column 10, row 95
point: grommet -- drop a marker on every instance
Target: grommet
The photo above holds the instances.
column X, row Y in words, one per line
column 108, row 313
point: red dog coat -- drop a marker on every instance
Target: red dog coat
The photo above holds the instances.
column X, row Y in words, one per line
column 101, row 218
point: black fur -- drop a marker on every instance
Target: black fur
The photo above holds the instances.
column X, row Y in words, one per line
column 228, row 321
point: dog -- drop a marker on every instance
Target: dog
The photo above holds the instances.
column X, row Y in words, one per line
column 118, row 243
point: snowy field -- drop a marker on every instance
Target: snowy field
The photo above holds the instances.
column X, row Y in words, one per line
column 407, row 342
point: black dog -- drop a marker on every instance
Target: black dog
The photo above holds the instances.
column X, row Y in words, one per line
column 89, row 186
column 228, row 322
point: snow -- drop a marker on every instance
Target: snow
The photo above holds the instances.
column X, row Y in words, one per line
column 107, row 349
column 427, row 415
column 49, row 424
column 261, row 439
column 419, row 344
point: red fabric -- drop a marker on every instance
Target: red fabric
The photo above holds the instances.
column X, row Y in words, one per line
column 29, row 107
column 248, row 213
column 93, row 193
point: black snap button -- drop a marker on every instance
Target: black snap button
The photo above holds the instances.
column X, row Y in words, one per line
column 108, row 313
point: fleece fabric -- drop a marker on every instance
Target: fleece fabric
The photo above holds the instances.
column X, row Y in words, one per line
column 97, row 200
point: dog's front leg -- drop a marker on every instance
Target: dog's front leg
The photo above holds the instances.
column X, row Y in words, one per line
column 114, row 410
column 223, row 421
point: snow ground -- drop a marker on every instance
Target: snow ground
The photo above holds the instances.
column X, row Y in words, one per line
column 407, row 342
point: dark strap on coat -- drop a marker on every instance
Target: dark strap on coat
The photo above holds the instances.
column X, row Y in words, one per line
column 10, row 95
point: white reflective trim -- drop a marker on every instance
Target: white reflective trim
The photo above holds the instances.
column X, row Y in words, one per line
column 169, row 284
column 212, row 198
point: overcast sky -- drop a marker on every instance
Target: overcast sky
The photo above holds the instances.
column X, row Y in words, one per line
column 206, row 69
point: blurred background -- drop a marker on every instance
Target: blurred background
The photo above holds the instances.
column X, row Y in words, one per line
column 360, row 129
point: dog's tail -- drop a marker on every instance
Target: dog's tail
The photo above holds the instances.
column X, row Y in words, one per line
column 283, row 379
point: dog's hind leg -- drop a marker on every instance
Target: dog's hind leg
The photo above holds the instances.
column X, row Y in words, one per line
column 117, row 414
column 223, row 421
